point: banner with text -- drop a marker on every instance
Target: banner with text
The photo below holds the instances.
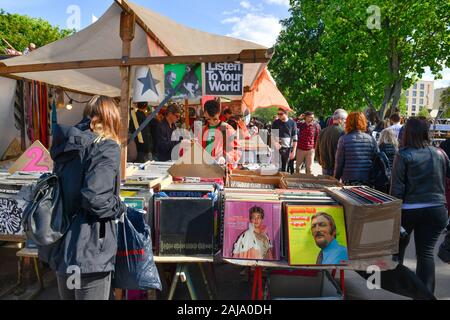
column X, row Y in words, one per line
column 224, row 79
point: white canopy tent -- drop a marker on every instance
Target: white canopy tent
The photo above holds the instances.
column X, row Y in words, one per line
column 101, row 40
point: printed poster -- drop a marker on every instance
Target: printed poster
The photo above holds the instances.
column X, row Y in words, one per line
column 224, row 79
column 317, row 235
column 191, row 89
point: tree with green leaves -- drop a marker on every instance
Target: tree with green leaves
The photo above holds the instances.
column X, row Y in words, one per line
column 20, row 30
column 358, row 53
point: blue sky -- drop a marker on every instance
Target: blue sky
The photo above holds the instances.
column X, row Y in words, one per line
column 255, row 20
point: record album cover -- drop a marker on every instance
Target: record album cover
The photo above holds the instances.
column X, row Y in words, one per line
column 316, row 235
column 252, row 230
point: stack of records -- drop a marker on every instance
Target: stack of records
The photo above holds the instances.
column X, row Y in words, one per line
column 295, row 184
column 250, row 194
column 364, row 195
column 298, row 196
column 194, row 190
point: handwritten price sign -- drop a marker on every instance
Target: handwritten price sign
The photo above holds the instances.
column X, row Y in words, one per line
column 35, row 159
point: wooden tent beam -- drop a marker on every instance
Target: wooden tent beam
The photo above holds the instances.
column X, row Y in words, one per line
column 125, row 6
column 246, row 56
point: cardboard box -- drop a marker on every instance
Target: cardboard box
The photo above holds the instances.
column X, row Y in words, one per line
column 314, row 182
column 260, row 182
column 372, row 230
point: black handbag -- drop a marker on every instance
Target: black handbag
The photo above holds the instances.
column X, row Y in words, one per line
column 44, row 218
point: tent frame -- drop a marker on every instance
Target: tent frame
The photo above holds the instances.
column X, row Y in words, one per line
column 128, row 20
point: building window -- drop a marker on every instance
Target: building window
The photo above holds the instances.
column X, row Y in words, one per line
column 413, row 108
column 422, row 86
column 413, row 114
column 414, row 93
column 414, row 100
column 407, row 93
column 421, row 102
column 422, row 93
column 415, row 86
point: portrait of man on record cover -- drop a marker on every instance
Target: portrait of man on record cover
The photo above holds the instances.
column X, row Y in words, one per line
column 323, row 230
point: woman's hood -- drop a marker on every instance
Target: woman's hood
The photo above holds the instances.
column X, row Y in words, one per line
column 69, row 141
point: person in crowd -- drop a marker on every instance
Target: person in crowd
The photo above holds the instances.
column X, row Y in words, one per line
column 355, row 152
column 144, row 146
column 395, row 123
column 308, row 133
column 323, row 230
column 287, row 137
column 163, row 143
column 388, row 144
column 29, row 48
column 254, row 243
column 418, row 179
column 328, row 140
column 219, row 139
column 380, row 126
column 238, row 124
column 226, row 115
column 91, row 189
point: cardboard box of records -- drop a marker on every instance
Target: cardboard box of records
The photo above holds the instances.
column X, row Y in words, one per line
column 247, row 181
column 372, row 219
column 308, row 181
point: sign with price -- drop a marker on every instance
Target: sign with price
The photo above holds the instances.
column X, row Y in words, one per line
column 35, row 159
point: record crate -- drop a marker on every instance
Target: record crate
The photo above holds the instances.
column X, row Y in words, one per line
column 307, row 181
column 373, row 229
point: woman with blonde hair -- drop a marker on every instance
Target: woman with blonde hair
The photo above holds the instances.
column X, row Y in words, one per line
column 87, row 162
column 388, row 143
column 355, row 152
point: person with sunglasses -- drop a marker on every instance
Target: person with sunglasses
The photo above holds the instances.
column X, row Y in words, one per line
column 163, row 134
column 287, row 137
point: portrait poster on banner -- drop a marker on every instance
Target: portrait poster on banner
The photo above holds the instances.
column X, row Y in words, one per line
column 316, row 235
column 224, row 79
column 191, row 89
column 252, row 230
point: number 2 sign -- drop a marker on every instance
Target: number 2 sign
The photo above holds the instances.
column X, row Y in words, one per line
column 35, row 159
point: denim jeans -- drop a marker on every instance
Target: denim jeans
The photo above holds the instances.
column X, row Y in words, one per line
column 427, row 224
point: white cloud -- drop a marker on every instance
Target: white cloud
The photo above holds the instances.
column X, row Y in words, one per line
column 231, row 20
column 246, row 4
column 226, row 13
column 278, row 2
column 260, row 29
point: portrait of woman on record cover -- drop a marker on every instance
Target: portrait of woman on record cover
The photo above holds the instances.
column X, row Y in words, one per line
column 254, row 243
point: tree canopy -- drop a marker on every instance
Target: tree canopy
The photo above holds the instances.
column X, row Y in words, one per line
column 351, row 54
column 20, row 30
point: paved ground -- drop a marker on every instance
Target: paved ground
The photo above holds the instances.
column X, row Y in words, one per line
column 232, row 282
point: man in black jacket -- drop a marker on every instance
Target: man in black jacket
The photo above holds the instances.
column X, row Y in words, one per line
column 328, row 140
column 163, row 134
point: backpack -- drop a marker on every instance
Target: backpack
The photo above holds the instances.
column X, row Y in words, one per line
column 380, row 172
column 44, row 219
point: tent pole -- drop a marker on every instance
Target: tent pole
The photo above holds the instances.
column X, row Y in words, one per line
column 126, row 34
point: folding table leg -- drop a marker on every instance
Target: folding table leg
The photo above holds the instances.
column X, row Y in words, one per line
column 188, row 280
column 173, row 286
column 342, row 279
column 205, row 281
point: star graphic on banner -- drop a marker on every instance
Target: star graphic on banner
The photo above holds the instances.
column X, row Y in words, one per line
column 149, row 83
